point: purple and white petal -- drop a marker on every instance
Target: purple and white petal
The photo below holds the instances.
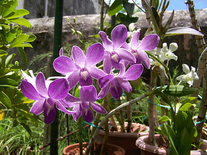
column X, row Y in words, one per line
column 107, row 64
column 61, row 52
column 125, row 85
column 149, row 42
column 60, row 107
column 49, row 115
column 95, row 72
column 104, row 91
column 64, row 65
column 85, row 78
column 78, row 56
column 94, row 54
column 87, row 115
column 116, row 91
column 107, row 43
column 70, row 98
column 78, row 112
column 85, row 105
column 104, row 81
column 40, row 84
column 73, row 79
column 119, row 36
column 133, row 72
column 29, row 91
column 98, row 108
column 88, row 94
column 135, row 41
column 37, row 108
column 144, row 58
column 58, row 89
column 126, row 55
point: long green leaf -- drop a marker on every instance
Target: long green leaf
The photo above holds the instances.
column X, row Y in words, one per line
column 18, row 13
column 8, row 81
column 24, row 45
column 115, row 7
column 23, row 55
column 9, row 59
column 6, row 9
column 21, row 21
column 4, row 99
column 19, row 40
column 182, row 30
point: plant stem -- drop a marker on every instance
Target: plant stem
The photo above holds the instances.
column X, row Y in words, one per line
column 80, row 138
column 129, row 113
column 112, row 112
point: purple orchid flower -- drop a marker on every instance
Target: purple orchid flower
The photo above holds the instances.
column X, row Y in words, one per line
column 46, row 95
column 113, row 51
column 88, row 96
column 83, row 68
column 148, row 43
column 115, row 84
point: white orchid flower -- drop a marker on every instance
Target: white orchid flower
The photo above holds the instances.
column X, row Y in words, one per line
column 132, row 30
column 189, row 75
column 168, row 53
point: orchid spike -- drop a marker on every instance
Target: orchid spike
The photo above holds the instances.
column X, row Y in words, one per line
column 115, row 83
column 113, row 51
column 82, row 68
column 46, row 94
column 189, row 76
column 81, row 105
column 138, row 49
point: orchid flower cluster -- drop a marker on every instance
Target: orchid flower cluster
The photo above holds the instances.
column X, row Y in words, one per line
column 122, row 62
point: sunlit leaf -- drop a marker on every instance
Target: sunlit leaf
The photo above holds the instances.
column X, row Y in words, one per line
column 18, row 13
column 21, row 21
column 9, row 59
column 182, row 30
column 2, row 53
column 115, row 7
column 31, row 38
column 4, row 99
column 19, row 40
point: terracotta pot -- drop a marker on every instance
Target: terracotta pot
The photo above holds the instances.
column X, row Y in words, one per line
column 117, row 150
column 124, row 140
column 147, row 149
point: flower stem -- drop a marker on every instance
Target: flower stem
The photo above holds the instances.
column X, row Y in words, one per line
column 80, row 135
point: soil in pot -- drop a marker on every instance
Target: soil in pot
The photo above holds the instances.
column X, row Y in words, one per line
column 109, row 149
column 125, row 140
column 147, row 149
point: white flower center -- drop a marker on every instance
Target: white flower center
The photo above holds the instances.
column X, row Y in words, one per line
column 84, row 74
column 49, row 108
column 115, row 57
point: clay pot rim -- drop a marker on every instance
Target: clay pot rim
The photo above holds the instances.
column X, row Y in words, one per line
column 140, row 143
column 86, row 143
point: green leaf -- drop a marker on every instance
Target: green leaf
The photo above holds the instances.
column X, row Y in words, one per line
column 167, row 25
column 8, row 82
column 18, row 13
column 185, row 107
column 6, row 9
column 10, row 93
column 10, row 36
column 24, row 45
column 182, row 30
column 179, row 90
column 29, row 116
column 9, row 59
column 19, row 40
column 21, row 21
column 31, row 38
column 164, row 118
column 4, row 99
column 115, row 7
column 27, row 128
column 128, row 20
column 2, row 53
column 23, row 55
column 156, row 3
column 77, row 91
column 129, row 7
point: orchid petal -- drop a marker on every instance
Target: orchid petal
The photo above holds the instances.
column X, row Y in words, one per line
column 144, row 58
column 125, row 85
column 94, row 54
column 40, row 84
column 126, row 55
column 61, row 52
column 78, row 56
column 134, row 72
column 104, row 81
column 98, row 108
column 95, row 72
column 71, row 98
column 88, row 94
column 29, row 91
column 104, row 91
column 78, row 112
column 37, row 108
column 85, row 78
column 149, row 42
column 87, row 115
column 107, row 64
column 107, row 43
column 135, row 41
column 49, row 116
column 73, row 78
column 116, row 91
column 186, row 68
column 60, row 107
column 119, row 36
column 85, row 105
column 58, row 89
column 64, row 65
column 126, row 46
